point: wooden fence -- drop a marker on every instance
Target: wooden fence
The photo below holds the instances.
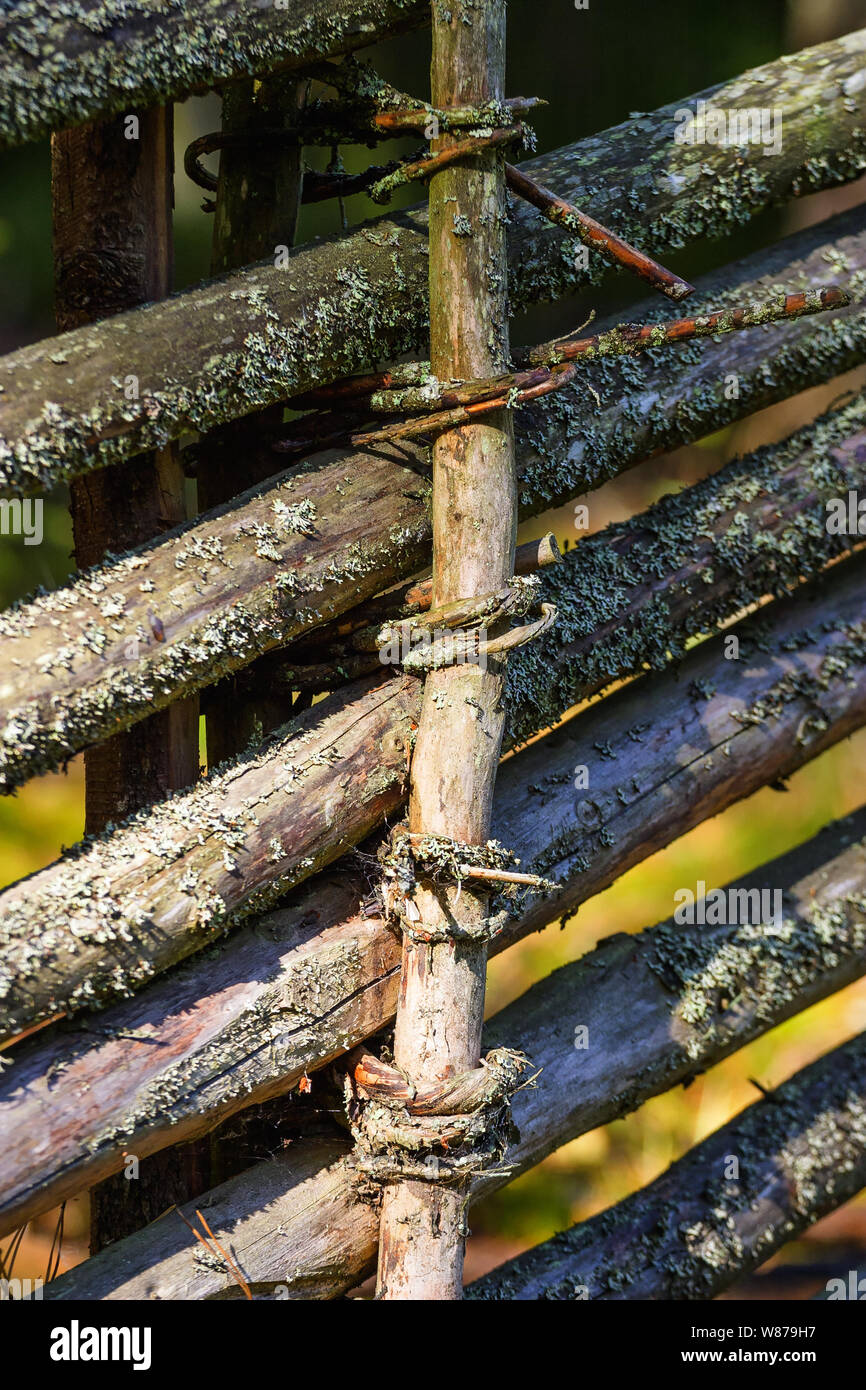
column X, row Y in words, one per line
column 208, row 947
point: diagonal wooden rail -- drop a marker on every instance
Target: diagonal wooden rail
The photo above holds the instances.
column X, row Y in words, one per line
column 295, row 1223
column 801, row 1153
column 168, row 620
column 193, row 1048
column 629, row 598
column 248, row 340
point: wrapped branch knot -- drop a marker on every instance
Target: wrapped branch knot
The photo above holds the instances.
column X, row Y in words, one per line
column 441, row 1132
column 455, row 633
column 368, row 109
column 442, row 860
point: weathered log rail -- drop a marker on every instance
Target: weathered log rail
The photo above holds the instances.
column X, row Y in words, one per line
column 261, row 336
column 63, row 65
column 317, row 541
column 317, row 976
column 694, row 1231
column 103, row 919
column 295, row 989
column 659, row 1008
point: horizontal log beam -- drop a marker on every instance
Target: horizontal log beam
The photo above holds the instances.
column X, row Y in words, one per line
column 661, row 1006
column 98, row 655
column 106, row 916
column 268, row 333
column 695, row 1230
column 64, row 65
column 311, row 980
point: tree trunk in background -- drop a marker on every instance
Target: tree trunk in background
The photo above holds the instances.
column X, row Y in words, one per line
column 112, row 190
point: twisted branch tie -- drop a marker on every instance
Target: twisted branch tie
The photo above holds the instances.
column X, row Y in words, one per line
column 398, row 1127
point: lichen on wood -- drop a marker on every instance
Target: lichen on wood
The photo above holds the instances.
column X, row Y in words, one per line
column 667, row 401
column 317, row 976
column 340, row 306
column 127, row 638
column 297, row 1223
column 667, row 397
column 123, row 905
column 756, row 527
column 696, row 1230
column 630, row 598
column 65, row 64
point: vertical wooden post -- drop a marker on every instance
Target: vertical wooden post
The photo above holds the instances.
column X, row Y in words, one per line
column 112, row 204
column 112, row 192
column 439, row 1018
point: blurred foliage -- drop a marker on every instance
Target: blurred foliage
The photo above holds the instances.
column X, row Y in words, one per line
column 594, row 67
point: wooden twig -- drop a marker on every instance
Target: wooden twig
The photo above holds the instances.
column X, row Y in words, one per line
column 594, row 235
column 545, row 368
column 213, row 1247
column 627, row 339
column 324, row 122
column 318, row 186
column 420, row 117
column 10, row 1255
column 528, row 559
column 530, row 386
column 229, row 358
column 56, row 1251
column 467, row 147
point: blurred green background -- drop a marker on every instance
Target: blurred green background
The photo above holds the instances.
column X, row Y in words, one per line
column 594, row 67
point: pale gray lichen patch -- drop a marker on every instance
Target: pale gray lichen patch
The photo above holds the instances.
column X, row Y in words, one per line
column 633, row 596
column 67, row 63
